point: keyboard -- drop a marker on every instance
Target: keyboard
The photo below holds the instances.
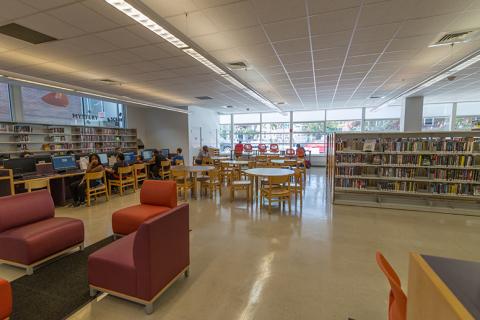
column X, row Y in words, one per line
column 30, row 176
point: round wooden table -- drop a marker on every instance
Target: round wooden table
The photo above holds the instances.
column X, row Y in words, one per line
column 237, row 164
column 194, row 171
column 257, row 173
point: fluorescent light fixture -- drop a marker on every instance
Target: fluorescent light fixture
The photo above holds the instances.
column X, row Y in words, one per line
column 197, row 56
column 38, row 83
column 234, row 81
column 148, row 23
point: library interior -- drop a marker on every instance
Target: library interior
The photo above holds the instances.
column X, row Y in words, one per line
column 240, row 159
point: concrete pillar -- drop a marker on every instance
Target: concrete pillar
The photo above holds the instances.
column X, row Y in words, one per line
column 412, row 114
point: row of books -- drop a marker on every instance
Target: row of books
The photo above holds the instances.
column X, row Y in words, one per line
column 468, row 144
column 458, row 189
column 414, row 160
column 469, row 175
column 99, row 138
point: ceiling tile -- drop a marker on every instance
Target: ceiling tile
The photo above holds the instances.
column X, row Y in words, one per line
column 277, row 10
column 82, row 18
column 51, row 26
column 122, row 38
column 193, row 24
column 287, row 29
column 232, row 16
column 336, row 21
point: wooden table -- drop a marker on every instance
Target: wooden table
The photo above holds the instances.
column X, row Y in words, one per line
column 443, row 289
column 194, row 171
column 257, row 173
column 237, row 164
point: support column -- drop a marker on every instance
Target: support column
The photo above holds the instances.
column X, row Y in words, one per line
column 412, row 114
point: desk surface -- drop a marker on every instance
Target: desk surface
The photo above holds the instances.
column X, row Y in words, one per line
column 49, row 177
column 269, row 172
column 462, row 278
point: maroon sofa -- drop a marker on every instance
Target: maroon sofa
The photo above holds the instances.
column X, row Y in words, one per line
column 141, row 265
column 29, row 232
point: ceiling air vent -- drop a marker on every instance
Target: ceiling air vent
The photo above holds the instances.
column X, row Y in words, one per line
column 204, row 98
column 26, row 34
column 455, row 37
column 239, row 65
column 110, row 82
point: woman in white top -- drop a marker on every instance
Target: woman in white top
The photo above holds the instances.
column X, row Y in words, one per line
column 202, row 154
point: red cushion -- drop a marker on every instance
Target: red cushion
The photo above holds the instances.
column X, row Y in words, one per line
column 127, row 220
column 112, row 267
column 159, row 193
column 36, row 241
column 5, row 299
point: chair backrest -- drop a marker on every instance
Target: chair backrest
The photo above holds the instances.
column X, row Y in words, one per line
column 139, row 167
column 213, row 175
column 125, row 170
column 290, row 152
column 179, row 162
column 397, row 307
column 207, row 161
column 37, row 184
column 161, row 250
column 25, row 208
column 165, row 164
column 247, row 147
column 274, row 147
column 262, row 148
column 179, row 173
column 238, row 148
column 300, row 152
column 159, row 193
column 279, row 180
column 94, row 176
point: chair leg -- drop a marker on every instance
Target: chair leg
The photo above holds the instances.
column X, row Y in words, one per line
column 88, row 199
column 187, row 273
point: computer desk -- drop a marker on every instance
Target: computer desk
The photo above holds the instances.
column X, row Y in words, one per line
column 443, row 289
column 58, row 185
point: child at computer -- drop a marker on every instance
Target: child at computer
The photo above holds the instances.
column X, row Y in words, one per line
column 178, row 156
column 77, row 188
column 113, row 171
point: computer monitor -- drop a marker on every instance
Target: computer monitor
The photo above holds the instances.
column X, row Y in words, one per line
column 147, row 155
column 43, row 158
column 103, row 158
column 21, row 165
column 61, row 163
column 165, row 152
column 129, row 157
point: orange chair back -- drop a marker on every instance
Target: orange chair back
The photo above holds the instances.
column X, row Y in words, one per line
column 274, row 147
column 397, row 306
column 262, row 148
column 247, row 147
column 290, row 152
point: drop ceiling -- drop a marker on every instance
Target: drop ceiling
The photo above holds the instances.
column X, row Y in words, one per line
column 309, row 54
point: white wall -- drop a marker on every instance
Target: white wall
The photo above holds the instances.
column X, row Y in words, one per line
column 160, row 128
column 202, row 128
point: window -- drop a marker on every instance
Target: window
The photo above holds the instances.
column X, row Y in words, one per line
column 224, row 133
column 309, row 131
column 276, row 129
column 103, row 113
column 246, row 128
column 5, row 111
column 42, row 106
column 383, row 119
column 467, row 114
column 344, row 120
column 436, row 117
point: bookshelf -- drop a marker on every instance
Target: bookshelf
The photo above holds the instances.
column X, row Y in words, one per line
column 16, row 138
column 423, row 171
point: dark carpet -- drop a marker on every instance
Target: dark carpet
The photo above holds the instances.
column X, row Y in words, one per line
column 55, row 290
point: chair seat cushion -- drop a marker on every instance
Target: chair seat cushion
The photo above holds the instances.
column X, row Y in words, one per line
column 33, row 242
column 113, row 267
column 128, row 220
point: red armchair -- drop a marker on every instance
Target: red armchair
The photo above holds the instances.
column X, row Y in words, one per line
column 30, row 234
column 290, row 152
column 5, row 299
column 274, row 148
column 156, row 197
column 247, row 147
column 140, row 266
column 262, row 148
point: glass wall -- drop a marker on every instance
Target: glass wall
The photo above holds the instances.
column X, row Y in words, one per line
column 246, row 128
column 436, row 117
column 467, row 113
column 224, row 133
column 102, row 113
column 276, row 129
column 383, row 119
column 5, row 111
column 309, row 130
column 344, row 120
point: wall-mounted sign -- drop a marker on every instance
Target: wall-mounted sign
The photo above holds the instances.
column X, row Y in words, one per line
column 84, row 116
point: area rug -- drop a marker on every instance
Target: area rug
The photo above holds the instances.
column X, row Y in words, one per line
column 55, row 290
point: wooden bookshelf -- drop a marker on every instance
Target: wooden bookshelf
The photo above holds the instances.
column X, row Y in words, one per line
column 426, row 171
column 16, row 138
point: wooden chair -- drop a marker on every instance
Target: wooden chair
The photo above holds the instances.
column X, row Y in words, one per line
column 251, row 165
column 297, row 185
column 207, row 162
column 289, row 163
column 97, row 190
column 226, row 173
column 126, row 179
column 165, row 171
column 241, row 185
column 37, row 184
column 303, row 167
column 179, row 162
column 277, row 189
column 184, row 183
column 140, row 173
column 213, row 183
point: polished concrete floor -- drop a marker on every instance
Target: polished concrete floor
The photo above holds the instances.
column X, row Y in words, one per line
column 315, row 263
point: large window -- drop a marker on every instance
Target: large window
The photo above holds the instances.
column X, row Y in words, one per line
column 246, row 128
column 42, row 106
column 467, row 114
column 383, row 119
column 103, row 113
column 309, row 130
column 436, row 117
column 224, row 133
column 276, row 129
column 5, row 111
column 344, row 120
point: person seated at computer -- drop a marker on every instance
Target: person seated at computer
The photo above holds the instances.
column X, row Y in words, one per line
column 202, row 154
column 158, row 157
column 138, row 159
column 113, row 171
column 77, row 188
column 178, row 156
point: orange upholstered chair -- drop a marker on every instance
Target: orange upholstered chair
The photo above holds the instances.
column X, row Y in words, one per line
column 274, row 148
column 397, row 306
column 5, row 299
column 247, row 148
column 262, row 148
column 156, row 198
column 290, row 152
